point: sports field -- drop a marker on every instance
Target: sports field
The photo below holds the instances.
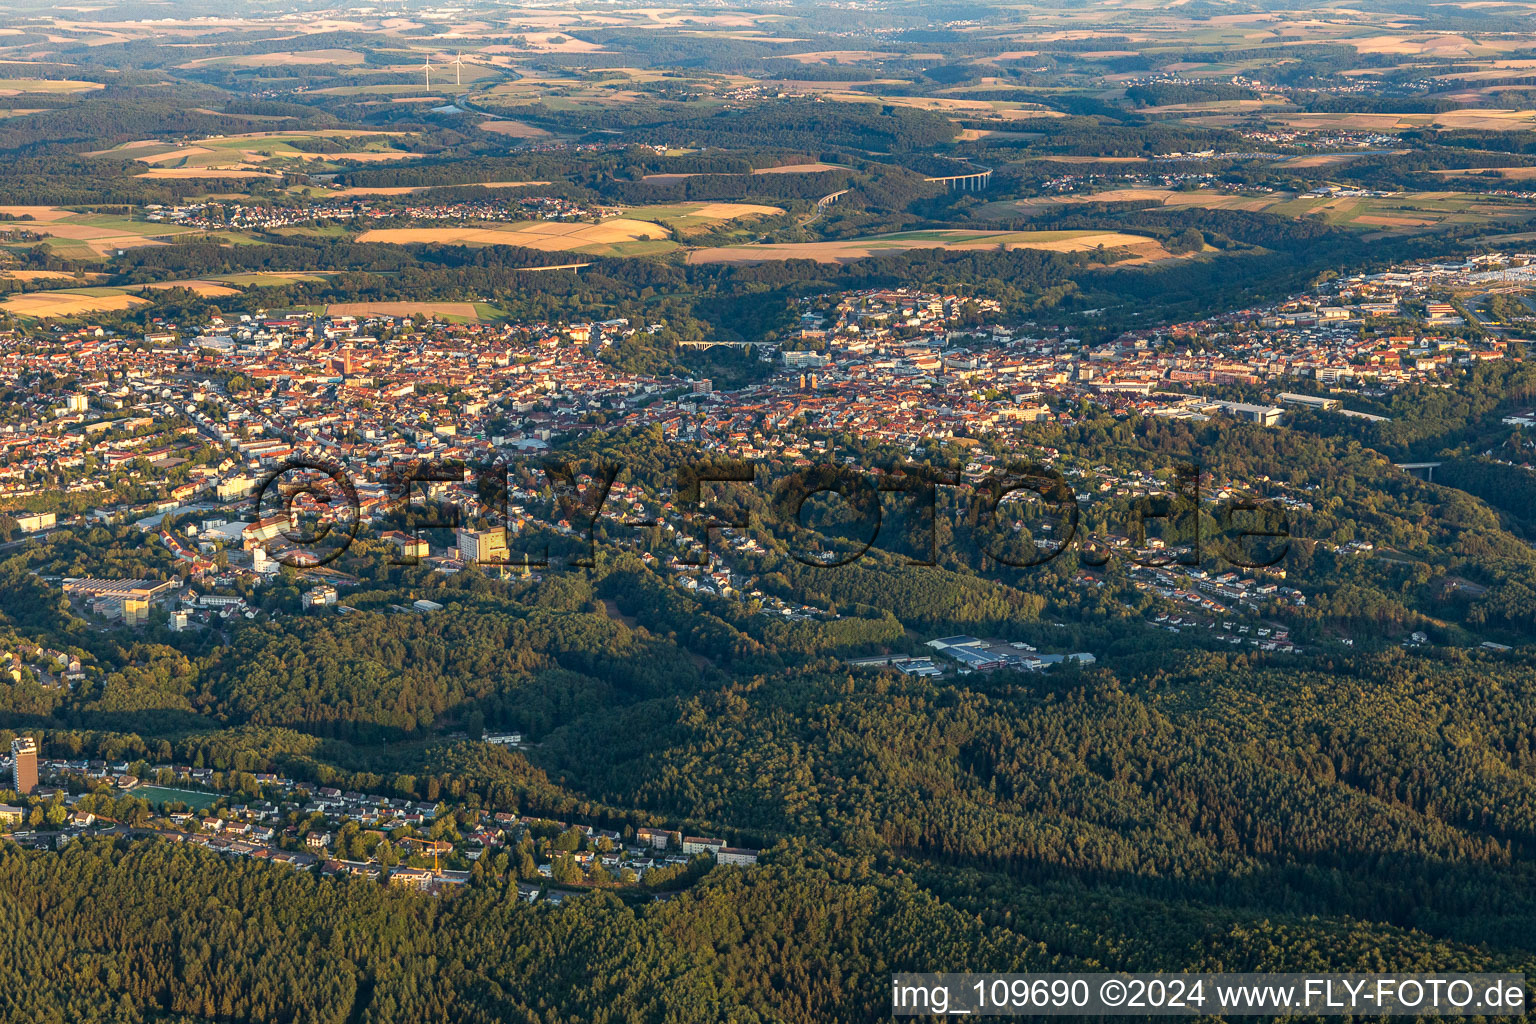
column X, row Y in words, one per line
column 159, row 795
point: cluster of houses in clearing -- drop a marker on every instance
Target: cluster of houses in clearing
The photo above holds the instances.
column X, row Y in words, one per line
column 255, row 830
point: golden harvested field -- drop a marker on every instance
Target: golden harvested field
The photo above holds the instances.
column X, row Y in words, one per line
column 546, row 235
column 837, row 56
column 730, row 211
column 362, row 158
column 38, row 214
column 972, row 134
column 1378, row 220
column 1206, row 200
column 171, row 156
column 1322, row 159
column 1003, row 109
column 799, row 168
column 53, row 304
column 242, row 156
column 207, row 289
column 205, row 172
column 693, row 218
column 1476, row 118
column 270, row 60
column 23, row 86
column 269, row 278
column 1490, row 120
column 514, row 129
column 465, row 310
column 1225, row 106
column 1403, row 212
column 1427, row 44
column 46, row 275
column 859, row 248
column 98, row 233
column 1509, row 173
column 404, row 190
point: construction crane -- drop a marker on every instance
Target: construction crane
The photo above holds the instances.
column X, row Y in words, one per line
column 437, row 845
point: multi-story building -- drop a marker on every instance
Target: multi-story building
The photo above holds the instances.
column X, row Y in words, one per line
column 656, row 838
column 483, row 547
column 135, row 611
column 735, row 855
column 701, row 844
column 24, row 768
column 33, row 522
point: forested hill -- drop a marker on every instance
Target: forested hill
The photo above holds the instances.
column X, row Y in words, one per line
column 147, row 932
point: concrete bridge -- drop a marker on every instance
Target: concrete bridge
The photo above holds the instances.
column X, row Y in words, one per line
column 974, row 181
column 1423, row 470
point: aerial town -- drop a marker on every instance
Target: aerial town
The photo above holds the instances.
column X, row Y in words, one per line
column 766, row 511
column 184, row 423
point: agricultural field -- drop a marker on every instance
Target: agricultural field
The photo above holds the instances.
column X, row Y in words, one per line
column 1484, row 119
column 612, row 88
column 689, row 218
column 595, row 239
column 666, row 178
column 30, row 276
column 512, row 129
column 206, row 289
column 44, row 86
column 84, row 235
column 639, row 231
column 1404, row 212
column 252, row 155
column 272, row 279
column 402, row 190
column 1506, row 173
column 70, row 302
column 282, row 59
column 1140, row 247
column 812, row 168
column 1004, row 110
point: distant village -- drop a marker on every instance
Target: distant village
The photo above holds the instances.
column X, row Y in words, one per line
column 213, row 215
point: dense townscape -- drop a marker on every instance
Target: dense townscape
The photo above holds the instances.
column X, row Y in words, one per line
column 580, row 512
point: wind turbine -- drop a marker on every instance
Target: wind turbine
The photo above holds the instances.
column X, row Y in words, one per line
column 426, row 66
column 458, row 67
